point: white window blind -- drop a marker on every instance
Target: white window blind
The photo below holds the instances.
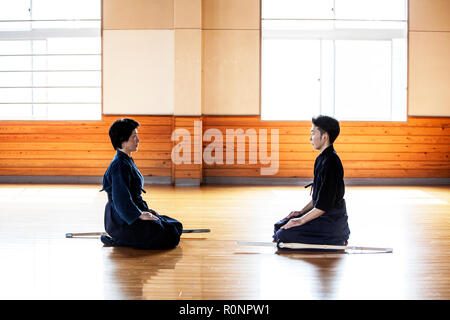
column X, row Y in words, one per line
column 50, row 59
column 343, row 58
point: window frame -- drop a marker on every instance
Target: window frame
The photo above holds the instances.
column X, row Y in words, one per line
column 32, row 30
column 325, row 30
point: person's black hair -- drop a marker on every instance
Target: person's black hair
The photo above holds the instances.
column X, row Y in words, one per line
column 329, row 125
column 121, row 130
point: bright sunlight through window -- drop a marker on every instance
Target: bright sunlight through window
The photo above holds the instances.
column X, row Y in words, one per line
column 50, row 59
column 342, row 58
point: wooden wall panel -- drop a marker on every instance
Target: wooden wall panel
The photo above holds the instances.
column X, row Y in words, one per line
column 231, row 72
column 429, row 73
column 138, row 14
column 429, row 66
column 187, row 14
column 231, row 14
column 138, row 72
column 429, row 15
column 79, row 148
column 188, row 72
column 418, row 148
column 192, row 168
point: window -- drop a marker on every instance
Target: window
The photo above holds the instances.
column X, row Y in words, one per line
column 342, row 58
column 50, row 59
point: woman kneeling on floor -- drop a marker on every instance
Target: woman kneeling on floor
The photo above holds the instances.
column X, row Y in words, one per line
column 128, row 219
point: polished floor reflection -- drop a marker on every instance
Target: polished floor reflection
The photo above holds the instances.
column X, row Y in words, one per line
column 38, row 262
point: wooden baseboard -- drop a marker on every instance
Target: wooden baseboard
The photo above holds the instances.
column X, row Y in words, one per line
column 73, row 180
column 305, row 181
column 224, row 181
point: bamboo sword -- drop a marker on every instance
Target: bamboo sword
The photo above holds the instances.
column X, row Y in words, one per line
column 93, row 234
column 283, row 245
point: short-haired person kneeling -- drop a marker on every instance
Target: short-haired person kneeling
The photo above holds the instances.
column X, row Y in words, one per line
column 324, row 219
column 128, row 220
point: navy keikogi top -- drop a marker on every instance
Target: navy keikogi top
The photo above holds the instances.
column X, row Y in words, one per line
column 328, row 185
column 123, row 182
column 328, row 194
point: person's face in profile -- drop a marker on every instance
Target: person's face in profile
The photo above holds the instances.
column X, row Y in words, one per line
column 317, row 139
column 131, row 145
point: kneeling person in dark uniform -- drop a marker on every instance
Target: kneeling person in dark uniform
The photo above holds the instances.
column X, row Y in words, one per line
column 324, row 219
column 128, row 220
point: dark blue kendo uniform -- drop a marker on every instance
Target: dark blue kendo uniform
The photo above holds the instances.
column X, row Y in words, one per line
column 328, row 195
column 123, row 182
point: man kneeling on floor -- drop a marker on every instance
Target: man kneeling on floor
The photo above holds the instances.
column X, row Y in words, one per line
column 324, row 219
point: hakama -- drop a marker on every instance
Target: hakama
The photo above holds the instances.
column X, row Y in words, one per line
column 328, row 195
column 123, row 183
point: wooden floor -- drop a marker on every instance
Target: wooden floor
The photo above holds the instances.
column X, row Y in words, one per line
column 38, row 262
